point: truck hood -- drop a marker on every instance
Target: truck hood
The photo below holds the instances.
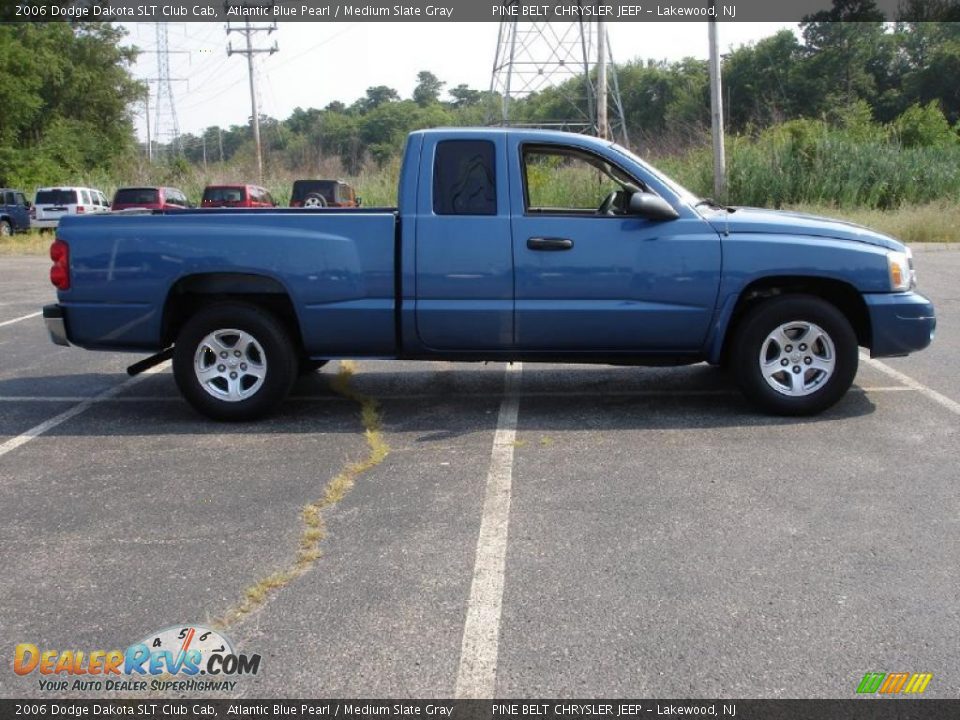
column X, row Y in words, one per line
column 781, row 222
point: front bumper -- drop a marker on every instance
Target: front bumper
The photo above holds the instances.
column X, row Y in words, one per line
column 56, row 325
column 901, row 323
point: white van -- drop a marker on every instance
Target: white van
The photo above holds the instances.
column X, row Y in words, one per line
column 52, row 203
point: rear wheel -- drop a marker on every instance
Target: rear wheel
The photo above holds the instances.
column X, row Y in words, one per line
column 234, row 361
column 794, row 355
column 6, row 230
column 314, row 200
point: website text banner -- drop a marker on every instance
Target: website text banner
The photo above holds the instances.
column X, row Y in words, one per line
column 157, row 709
column 264, row 11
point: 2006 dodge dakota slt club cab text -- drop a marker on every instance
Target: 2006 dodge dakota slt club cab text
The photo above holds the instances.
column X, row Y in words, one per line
column 507, row 244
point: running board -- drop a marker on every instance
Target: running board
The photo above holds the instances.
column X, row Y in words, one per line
column 152, row 361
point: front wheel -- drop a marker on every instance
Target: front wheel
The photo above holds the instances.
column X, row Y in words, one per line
column 794, row 355
column 6, row 229
column 234, row 361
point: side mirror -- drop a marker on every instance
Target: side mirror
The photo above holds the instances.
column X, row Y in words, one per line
column 651, row 207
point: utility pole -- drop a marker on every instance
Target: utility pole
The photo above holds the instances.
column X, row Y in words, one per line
column 220, row 142
column 603, row 128
column 204, row 139
column 146, row 113
column 248, row 30
column 716, row 114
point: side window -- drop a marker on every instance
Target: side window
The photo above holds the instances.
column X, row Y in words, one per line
column 560, row 179
column 464, row 178
column 267, row 198
column 85, row 197
column 21, row 199
column 8, row 199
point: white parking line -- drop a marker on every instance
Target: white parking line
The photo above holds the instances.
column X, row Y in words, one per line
column 16, row 320
column 951, row 405
column 477, row 674
column 38, row 430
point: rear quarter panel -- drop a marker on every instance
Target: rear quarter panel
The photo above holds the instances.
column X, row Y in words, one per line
column 336, row 267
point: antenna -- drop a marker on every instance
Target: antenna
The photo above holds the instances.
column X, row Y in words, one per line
column 575, row 58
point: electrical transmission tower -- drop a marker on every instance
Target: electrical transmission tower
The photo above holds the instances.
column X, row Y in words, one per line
column 573, row 57
column 248, row 31
column 165, row 119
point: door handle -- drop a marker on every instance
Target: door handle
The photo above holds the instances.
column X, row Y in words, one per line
column 550, row 243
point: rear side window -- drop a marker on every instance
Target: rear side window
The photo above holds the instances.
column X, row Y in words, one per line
column 464, row 178
column 86, row 197
column 134, row 196
column 56, row 197
column 9, row 199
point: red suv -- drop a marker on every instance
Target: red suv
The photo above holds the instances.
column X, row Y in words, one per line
column 249, row 196
column 151, row 198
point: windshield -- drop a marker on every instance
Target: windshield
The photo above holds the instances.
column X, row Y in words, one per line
column 676, row 187
column 223, row 194
column 136, row 196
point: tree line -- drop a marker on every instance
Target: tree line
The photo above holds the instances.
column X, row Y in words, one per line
column 68, row 96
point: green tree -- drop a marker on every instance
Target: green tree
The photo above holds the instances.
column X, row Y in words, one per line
column 66, row 93
column 428, row 88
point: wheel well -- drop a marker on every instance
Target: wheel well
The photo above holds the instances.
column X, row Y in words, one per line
column 192, row 292
column 846, row 298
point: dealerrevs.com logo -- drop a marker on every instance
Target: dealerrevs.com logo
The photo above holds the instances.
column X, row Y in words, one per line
column 178, row 658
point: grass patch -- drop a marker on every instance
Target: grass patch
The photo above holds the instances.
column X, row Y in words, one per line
column 32, row 242
column 313, row 529
column 931, row 223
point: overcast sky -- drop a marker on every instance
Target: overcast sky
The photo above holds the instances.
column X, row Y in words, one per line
column 321, row 62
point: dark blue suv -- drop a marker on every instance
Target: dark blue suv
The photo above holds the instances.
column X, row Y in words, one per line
column 14, row 212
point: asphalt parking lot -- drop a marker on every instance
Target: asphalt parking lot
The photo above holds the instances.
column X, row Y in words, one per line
column 550, row 530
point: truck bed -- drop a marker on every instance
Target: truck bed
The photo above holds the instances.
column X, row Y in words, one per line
column 337, row 266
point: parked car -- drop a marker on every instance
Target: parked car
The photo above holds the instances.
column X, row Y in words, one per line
column 151, row 198
column 14, row 211
column 323, row 193
column 246, row 196
column 508, row 244
column 53, row 203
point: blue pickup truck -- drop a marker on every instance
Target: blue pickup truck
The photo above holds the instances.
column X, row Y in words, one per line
column 507, row 245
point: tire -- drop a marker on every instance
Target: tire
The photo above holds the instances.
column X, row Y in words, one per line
column 260, row 356
column 308, row 366
column 314, row 200
column 6, row 229
column 813, row 378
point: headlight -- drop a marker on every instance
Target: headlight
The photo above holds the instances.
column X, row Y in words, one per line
column 902, row 275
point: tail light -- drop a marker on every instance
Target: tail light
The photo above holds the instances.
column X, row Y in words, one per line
column 60, row 272
column 80, row 210
column 33, row 212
